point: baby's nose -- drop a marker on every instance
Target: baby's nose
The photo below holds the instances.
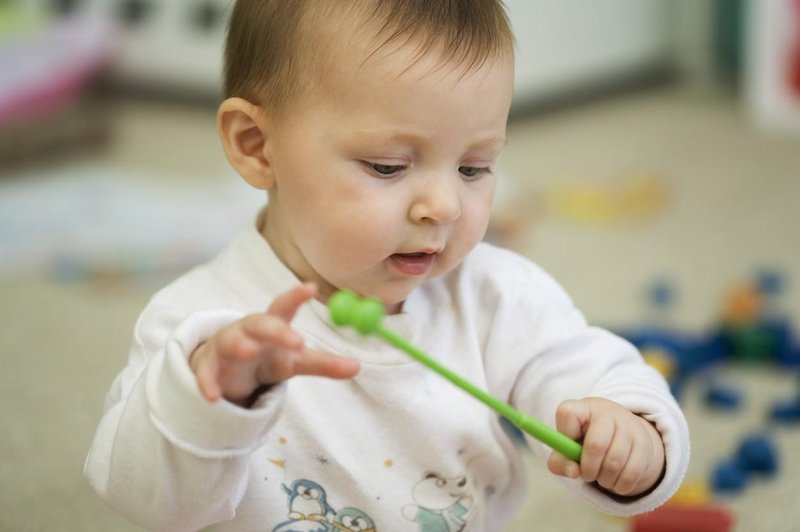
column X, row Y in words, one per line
column 438, row 203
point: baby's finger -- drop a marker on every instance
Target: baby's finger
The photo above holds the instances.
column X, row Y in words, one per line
column 629, row 479
column 285, row 306
column 571, row 418
column 595, row 445
column 562, row 466
column 207, row 372
column 267, row 328
column 615, row 460
column 284, row 364
column 234, row 343
column 628, row 482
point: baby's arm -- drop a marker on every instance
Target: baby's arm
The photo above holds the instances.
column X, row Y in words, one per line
column 590, row 363
column 260, row 350
column 539, row 352
column 165, row 456
column 622, row 452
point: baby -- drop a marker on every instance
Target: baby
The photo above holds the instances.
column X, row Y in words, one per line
column 375, row 127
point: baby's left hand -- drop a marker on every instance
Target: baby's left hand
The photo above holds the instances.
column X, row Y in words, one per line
column 623, row 452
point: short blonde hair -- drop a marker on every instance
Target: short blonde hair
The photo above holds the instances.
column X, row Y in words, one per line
column 275, row 47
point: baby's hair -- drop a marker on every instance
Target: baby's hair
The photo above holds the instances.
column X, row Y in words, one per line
column 275, row 48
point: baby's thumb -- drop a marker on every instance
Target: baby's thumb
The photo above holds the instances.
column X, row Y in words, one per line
column 572, row 417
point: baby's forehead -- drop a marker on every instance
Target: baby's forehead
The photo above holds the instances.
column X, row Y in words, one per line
column 366, row 54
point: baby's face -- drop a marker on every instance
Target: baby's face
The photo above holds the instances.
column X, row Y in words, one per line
column 385, row 181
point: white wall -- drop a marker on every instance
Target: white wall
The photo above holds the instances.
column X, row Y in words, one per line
column 562, row 44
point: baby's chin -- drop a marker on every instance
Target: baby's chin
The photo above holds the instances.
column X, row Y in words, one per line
column 392, row 295
column 392, row 302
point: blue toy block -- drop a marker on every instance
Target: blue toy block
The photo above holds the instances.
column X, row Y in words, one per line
column 729, row 478
column 770, row 282
column 661, row 293
column 721, row 397
column 784, row 348
column 757, row 454
column 786, row 411
column 691, row 353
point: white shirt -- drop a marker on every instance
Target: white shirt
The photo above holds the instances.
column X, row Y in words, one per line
column 397, row 447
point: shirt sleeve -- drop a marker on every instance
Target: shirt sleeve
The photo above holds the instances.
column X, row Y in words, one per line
column 163, row 456
column 541, row 352
column 594, row 363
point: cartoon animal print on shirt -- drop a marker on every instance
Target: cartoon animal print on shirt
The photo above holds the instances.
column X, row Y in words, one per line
column 309, row 511
column 440, row 504
column 352, row 520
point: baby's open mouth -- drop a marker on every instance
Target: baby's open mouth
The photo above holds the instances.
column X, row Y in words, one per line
column 412, row 263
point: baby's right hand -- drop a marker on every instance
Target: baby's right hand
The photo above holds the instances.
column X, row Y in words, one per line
column 262, row 349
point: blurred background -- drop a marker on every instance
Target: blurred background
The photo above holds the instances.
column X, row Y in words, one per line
column 653, row 167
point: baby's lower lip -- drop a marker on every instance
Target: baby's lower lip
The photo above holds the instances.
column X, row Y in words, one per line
column 412, row 263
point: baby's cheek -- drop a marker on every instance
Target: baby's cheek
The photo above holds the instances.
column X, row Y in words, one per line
column 464, row 240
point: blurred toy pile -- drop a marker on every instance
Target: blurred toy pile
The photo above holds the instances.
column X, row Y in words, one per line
column 752, row 329
column 617, row 199
column 752, row 332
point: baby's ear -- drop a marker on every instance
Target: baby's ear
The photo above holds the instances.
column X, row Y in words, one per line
column 244, row 130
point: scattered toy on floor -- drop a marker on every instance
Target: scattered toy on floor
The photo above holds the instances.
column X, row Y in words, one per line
column 787, row 411
column 675, row 354
column 692, row 494
column 684, row 519
column 722, row 396
column 755, row 328
column 755, row 455
column 630, row 198
column 729, row 478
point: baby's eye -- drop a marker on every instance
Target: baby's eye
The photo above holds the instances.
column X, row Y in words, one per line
column 473, row 172
column 385, row 170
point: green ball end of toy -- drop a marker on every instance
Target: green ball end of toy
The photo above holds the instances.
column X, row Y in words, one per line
column 364, row 315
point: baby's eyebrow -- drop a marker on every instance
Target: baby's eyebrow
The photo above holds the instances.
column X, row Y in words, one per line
column 493, row 142
column 389, row 136
column 413, row 138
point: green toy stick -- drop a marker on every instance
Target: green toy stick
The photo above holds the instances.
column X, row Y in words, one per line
column 365, row 316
